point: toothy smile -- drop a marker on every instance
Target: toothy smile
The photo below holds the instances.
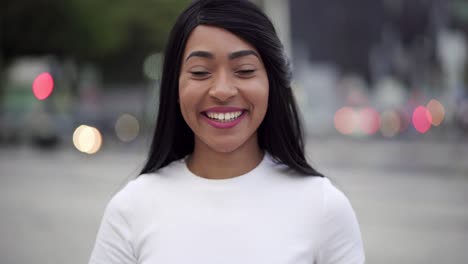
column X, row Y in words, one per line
column 224, row 117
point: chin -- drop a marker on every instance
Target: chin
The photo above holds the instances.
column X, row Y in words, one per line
column 224, row 148
column 226, row 145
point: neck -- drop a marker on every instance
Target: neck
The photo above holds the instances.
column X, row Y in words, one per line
column 208, row 163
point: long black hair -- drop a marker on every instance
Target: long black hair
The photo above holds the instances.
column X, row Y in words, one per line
column 280, row 133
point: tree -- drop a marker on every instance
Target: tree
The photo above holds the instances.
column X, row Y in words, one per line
column 100, row 31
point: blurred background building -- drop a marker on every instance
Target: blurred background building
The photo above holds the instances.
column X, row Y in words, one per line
column 360, row 70
column 382, row 86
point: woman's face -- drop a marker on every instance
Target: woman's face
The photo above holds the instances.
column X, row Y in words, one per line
column 223, row 89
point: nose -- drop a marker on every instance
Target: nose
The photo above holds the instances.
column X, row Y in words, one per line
column 223, row 88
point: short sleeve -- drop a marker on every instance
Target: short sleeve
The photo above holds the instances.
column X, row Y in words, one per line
column 341, row 241
column 113, row 242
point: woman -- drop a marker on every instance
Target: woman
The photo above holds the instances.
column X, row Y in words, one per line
column 226, row 180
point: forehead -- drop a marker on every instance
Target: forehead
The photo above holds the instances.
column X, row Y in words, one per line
column 216, row 40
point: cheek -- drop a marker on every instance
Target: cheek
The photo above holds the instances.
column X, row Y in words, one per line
column 189, row 98
column 261, row 94
column 184, row 99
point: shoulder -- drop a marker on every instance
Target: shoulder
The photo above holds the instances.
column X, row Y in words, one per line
column 334, row 200
column 275, row 166
column 341, row 240
column 336, row 207
column 318, row 191
column 124, row 200
column 146, row 187
column 333, row 205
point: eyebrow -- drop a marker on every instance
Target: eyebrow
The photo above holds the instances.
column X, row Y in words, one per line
column 242, row 53
column 232, row 56
column 199, row 53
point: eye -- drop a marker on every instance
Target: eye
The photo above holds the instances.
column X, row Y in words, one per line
column 246, row 73
column 200, row 74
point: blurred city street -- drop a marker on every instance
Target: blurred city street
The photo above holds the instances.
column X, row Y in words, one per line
column 382, row 86
column 410, row 197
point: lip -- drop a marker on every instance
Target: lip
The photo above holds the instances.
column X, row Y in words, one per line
column 224, row 109
column 224, row 125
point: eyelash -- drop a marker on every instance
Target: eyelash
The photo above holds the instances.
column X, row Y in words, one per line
column 246, row 72
column 202, row 74
column 199, row 73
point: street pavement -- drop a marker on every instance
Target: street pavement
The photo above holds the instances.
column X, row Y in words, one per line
column 410, row 197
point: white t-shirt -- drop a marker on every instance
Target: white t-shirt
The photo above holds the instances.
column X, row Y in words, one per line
column 270, row 215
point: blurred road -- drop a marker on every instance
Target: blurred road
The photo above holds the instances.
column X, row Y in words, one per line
column 410, row 198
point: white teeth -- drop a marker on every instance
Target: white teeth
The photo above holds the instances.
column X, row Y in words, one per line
column 224, row 116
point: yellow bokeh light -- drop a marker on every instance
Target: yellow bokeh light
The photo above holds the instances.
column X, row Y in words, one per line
column 390, row 123
column 97, row 141
column 437, row 111
column 127, row 127
column 87, row 139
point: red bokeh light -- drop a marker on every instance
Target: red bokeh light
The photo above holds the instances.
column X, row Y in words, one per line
column 369, row 121
column 422, row 119
column 43, row 86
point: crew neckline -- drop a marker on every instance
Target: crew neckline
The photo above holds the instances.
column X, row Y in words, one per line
column 251, row 175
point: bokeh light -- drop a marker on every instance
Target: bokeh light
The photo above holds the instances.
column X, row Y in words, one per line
column 437, row 111
column 152, row 66
column 422, row 119
column 43, row 86
column 405, row 120
column 87, row 139
column 127, row 127
column 346, row 120
column 390, row 123
column 369, row 120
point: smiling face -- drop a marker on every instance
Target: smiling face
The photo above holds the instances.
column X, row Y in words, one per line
column 223, row 90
